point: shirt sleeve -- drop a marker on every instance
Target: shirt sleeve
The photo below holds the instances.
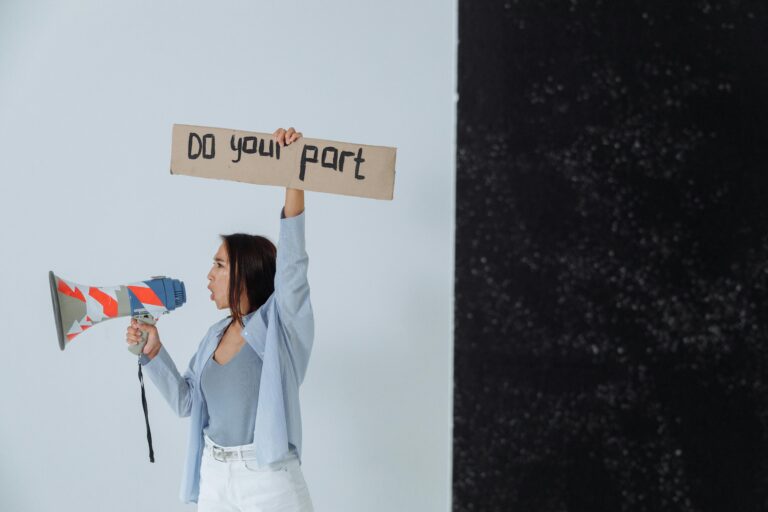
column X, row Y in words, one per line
column 292, row 291
column 176, row 389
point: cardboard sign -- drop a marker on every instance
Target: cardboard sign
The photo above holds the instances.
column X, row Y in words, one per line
column 308, row 164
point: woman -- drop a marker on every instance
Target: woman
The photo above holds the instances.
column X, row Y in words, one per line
column 241, row 388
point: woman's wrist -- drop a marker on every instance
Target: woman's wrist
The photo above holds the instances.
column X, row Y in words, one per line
column 294, row 201
column 154, row 352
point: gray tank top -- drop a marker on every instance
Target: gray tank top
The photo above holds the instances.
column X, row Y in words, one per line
column 231, row 393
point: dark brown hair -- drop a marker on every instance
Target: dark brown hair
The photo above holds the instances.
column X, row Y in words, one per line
column 251, row 269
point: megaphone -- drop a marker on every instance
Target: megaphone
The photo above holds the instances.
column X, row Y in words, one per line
column 78, row 307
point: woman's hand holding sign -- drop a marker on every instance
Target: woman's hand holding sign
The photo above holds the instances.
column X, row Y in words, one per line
column 294, row 197
column 285, row 137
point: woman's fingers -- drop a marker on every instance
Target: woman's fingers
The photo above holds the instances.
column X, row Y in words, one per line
column 133, row 332
column 294, row 136
column 285, row 137
column 279, row 136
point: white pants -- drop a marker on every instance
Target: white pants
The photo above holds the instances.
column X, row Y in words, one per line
column 242, row 486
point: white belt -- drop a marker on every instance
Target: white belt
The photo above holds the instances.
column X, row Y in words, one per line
column 224, row 455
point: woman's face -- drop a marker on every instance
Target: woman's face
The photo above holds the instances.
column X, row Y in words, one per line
column 218, row 278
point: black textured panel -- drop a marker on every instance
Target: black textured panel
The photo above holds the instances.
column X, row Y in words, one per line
column 612, row 256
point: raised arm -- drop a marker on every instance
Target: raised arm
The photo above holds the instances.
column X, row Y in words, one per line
column 292, row 291
column 291, row 286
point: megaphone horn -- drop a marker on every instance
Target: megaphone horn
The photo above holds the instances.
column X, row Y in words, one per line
column 78, row 307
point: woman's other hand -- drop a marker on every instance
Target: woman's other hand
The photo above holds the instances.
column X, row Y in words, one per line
column 285, row 137
column 133, row 336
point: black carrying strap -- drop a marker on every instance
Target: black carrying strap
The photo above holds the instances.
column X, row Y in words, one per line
column 146, row 415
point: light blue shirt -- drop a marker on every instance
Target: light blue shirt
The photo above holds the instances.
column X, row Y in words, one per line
column 281, row 333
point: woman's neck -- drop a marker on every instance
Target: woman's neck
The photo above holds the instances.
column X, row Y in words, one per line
column 235, row 326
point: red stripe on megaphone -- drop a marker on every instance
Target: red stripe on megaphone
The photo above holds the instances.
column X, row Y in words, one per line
column 108, row 304
column 146, row 295
column 66, row 290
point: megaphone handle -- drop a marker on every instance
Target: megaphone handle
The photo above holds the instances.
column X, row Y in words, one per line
column 138, row 347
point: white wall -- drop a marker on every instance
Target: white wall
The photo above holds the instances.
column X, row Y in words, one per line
column 89, row 91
